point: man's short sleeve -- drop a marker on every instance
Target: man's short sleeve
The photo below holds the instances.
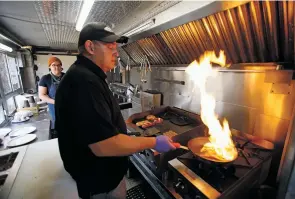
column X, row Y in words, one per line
column 92, row 115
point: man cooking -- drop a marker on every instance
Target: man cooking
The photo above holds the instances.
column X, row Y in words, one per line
column 92, row 133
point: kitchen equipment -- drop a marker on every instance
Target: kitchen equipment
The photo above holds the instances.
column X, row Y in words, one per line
column 21, row 140
column 26, row 104
column 151, row 131
column 191, row 176
column 128, row 67
column 150, row 99
column 257, row 141
column 23, row 131
column 31, row 99
column 195, row 145
column 4, row 131
column 194, row 178
column 134, row 133
column 148, row 64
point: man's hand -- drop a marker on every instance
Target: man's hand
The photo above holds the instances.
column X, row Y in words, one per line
column 164, row 144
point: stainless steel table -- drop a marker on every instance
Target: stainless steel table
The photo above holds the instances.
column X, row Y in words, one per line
column 41, row 122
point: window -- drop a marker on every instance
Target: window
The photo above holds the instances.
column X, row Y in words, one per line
column 13, row 71
column 2, row 116
column 4, row 75
column 11, row 105
column 10, row 83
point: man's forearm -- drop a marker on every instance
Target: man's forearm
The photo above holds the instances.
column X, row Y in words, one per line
column 122, row 145
column 47, row 99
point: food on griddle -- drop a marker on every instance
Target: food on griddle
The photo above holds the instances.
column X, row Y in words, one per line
column 147, row 124
column 170, row 134
column 151, row 117
column 144, row 123
column 158, row 120
column 141, row 123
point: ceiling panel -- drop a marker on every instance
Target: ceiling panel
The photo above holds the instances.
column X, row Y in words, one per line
column 51, row 24
column 112, row 12
column 58, row 20
column 20, row 19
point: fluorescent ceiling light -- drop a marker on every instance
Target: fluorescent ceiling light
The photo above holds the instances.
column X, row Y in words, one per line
column 6, row 48
column 86, row 8
column 140, row 28
column 10, row 40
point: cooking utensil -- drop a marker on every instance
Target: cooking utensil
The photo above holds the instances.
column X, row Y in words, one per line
column 21, row 140
column 196, row 144
column 151, row 131
column 149, row 65
column 128, row 64
column 134, row 133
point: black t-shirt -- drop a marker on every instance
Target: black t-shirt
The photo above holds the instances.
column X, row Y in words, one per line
column 46, row 81
column 86, row 113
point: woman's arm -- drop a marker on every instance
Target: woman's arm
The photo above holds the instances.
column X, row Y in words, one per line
column 43, row 95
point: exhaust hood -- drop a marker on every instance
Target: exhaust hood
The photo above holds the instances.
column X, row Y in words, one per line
column 258, row 31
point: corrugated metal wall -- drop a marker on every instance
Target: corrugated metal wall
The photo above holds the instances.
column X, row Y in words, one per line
column 253, row 32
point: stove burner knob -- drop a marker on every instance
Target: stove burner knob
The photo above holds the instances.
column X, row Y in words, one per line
column 180, row 187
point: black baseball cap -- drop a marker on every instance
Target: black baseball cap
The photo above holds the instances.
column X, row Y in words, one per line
column 100, row 32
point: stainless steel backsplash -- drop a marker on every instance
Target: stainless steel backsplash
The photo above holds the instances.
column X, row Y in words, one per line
column 246, row 99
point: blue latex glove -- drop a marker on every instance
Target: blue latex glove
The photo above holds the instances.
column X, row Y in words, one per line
column 164, row 144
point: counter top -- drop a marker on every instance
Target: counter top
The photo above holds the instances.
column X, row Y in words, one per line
column 41, row 122
column 42, row 174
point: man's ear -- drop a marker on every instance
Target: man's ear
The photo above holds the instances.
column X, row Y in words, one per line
column 89, row 46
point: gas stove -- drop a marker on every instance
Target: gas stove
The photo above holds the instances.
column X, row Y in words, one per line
column 193, row 178
column 10, row 162
column 179, row 174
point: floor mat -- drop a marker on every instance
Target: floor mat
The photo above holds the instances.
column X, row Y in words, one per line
column 136, row 193
column 131, row 182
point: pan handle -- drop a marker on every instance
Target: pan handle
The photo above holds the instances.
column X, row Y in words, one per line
column 177, row 145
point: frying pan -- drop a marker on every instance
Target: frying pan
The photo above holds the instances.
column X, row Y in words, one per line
column 196, row 144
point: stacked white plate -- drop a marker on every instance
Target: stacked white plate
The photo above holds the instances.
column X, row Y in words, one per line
column 18, row 141
column 23, row 131
column 22, row 136
column 4, row 131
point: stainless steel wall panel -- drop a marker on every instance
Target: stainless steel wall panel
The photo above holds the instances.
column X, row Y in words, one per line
column 240, row 117
column 243, row 98
column 271, row 128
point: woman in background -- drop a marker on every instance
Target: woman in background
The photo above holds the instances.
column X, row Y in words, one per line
column 49, row 83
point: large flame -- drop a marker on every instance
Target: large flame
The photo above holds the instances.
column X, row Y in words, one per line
column 221, row 145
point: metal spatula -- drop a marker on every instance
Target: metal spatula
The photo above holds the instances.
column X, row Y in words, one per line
column 151, row 131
